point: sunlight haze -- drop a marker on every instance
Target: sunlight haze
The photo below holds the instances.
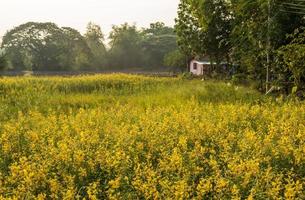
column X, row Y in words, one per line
column 77, row 13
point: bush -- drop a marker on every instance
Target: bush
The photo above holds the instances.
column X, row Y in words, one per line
column 239, row 79
column 187, row 76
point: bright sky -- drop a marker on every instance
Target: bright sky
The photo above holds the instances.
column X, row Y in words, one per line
column 77, row 13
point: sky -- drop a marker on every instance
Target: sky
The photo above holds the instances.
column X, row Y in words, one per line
column 77, row 13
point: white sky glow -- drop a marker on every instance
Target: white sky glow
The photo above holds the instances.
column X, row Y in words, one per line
column 77, row 13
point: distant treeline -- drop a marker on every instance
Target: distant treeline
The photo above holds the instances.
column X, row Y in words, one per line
column 47, row 47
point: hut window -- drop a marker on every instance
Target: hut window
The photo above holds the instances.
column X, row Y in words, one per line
column 195, row 66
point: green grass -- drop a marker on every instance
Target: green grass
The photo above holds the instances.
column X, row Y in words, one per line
column 23, row 94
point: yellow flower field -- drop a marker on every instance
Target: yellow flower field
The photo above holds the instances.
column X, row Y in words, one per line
column 134, row 137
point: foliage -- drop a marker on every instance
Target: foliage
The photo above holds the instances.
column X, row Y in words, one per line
column 215, row 21
column 158, row 41
column 190, row 37
column 293, row 55
column 260, row 32
column 132, row 137
column 95, row 40
column 125, row 45
column 132, row 48
column 3, row 61
column 247, row 33
column 204, row 27
column 186, row 76
column 78, row 54
column 45, row 46
column 175, row 60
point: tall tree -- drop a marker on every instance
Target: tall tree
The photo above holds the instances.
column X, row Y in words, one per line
column 204, row 28
column 215, row 21
column 95, row 40
column 158, row 41
column 31, row 45
column 190, row 37
column 125, row 47
column 45, row 46
column 77, row 55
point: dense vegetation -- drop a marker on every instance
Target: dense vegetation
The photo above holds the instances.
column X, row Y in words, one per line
column 47, row 47
column 134, row 137
column 250, row 35
column 259, row 40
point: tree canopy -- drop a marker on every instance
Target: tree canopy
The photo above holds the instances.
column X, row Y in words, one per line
column 48, row 47
column 158, row 41
column 95, row 40
column 125, row 47
column 45, row 46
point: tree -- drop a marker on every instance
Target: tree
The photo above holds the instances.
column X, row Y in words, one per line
column 260, row 28
column 146, row 48
column 293, row 55
column 125, row 47
column 215, row 22
column 3, row 61
column 158, row 40
column 190, row 37
column 77, row 55
column 159, row 28
column 176, row 60
column 95, row 40
column 31, row 45
column 45, row 46
column 204, row 28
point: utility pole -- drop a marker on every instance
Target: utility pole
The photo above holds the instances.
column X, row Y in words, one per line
column 268, row 46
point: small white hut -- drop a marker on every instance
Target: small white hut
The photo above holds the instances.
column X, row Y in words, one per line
column 199, row 67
